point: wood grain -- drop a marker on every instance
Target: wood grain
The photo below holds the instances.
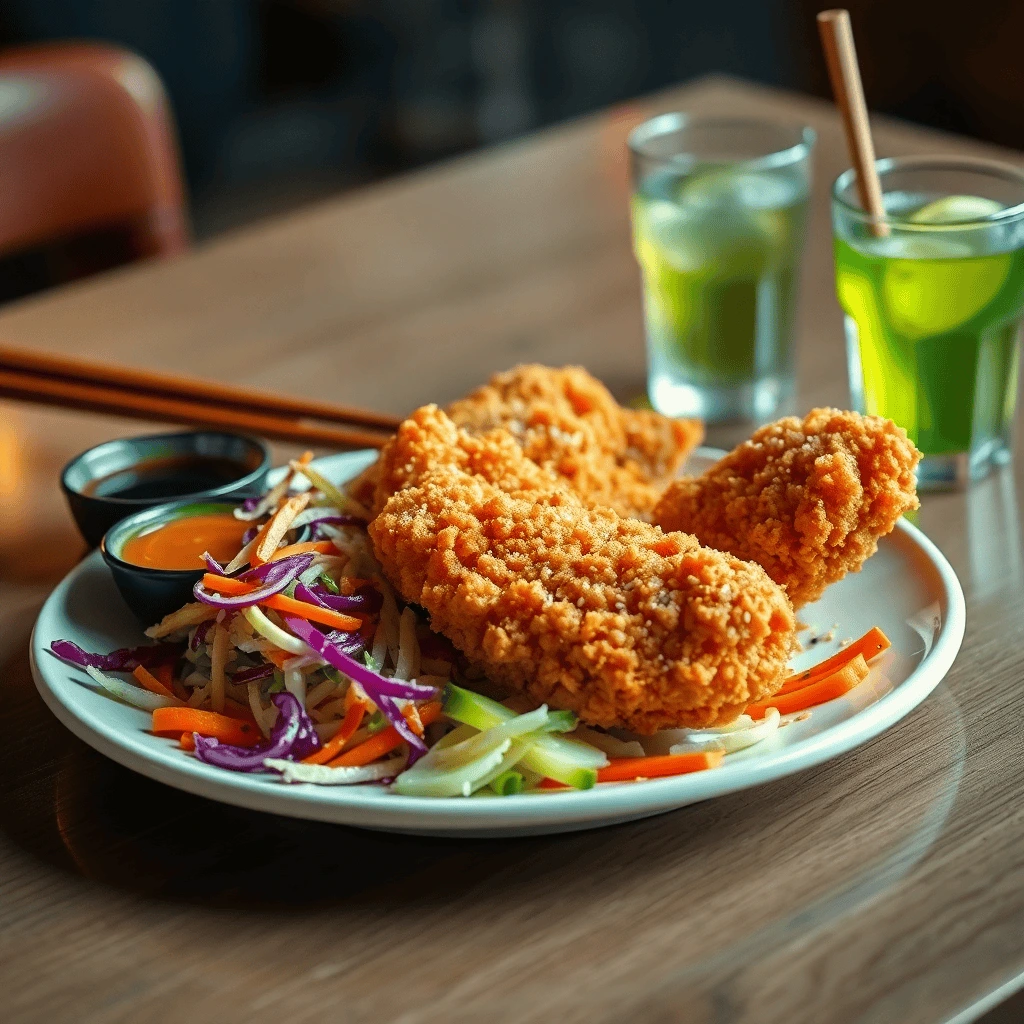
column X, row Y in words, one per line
column 887, row 885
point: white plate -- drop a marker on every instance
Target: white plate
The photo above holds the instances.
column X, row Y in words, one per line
column 908, row 589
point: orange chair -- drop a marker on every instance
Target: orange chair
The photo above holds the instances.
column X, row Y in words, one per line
column 87, row 143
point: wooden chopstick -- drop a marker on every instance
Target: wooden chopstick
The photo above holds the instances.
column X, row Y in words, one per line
column 73, row 394
column 189, row 389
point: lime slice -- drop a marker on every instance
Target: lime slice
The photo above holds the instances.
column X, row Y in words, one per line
column 955, row 210
column 924, row 297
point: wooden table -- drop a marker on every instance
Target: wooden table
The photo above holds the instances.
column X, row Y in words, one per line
column 885, row 886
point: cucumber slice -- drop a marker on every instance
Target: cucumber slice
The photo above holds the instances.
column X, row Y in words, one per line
column 568, row 761
column 430, row 780
column 457, row 769
column 561, row 721
column 474, row 709
column 483, row 713
column 565, row 761
column 507, row 784
column 468, row 750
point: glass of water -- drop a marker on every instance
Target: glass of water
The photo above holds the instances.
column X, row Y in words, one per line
column 934, row 303
column 719, row 207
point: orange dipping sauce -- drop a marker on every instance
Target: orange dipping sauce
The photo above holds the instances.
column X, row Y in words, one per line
column 180, row 543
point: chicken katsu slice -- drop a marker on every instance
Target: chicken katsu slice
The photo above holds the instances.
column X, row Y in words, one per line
column 429, row 440
column 567, row 421
column 583, row 609
column 806, row 499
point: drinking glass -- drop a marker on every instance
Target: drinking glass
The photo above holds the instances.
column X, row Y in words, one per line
column 934, row 303
column 719, row 207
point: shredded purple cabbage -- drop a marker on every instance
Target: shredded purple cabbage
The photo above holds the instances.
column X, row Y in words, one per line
column 250, row 503
column 249, row 675
column 352, row 644
column 366, row 599
column 250, row 535
column 213, row 565
column 201, row 633
column 127, row 659
column 292, row 737
column 379, row 689
column 274, row 576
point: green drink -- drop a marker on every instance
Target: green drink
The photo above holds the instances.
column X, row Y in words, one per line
column 934, row 311
column 718, row 225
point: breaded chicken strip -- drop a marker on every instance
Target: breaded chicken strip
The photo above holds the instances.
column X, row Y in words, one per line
column 807, row 499
column 429, row 440
column 583, row 609
column 567, row 421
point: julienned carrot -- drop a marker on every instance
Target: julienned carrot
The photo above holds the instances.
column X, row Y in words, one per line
column 280, row 603
column 629, row 769
column 320, row 547
column 273, row 531
column 333, row 746
column 873, row 642
column 175, row 721
column 624, row 769
column 148, row 681
column 165, row 673
column 325, row 616
column 278, row 657
column 226, row 585
column 811, row 694
column 383, row 742
column 232, row 709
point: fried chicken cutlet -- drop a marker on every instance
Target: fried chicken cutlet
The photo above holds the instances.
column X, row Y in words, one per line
column 429, row 440
column 584, row 609
column 806, row 499
column 568, row 422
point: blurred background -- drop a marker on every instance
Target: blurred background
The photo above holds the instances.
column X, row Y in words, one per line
column 281, row 102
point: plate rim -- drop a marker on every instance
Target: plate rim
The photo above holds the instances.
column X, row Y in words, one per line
column 361, row 806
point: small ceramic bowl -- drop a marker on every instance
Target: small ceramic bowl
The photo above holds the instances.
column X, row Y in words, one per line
column 172, row 469
column 153, row 593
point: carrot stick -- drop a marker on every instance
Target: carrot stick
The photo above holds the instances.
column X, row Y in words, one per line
column 175, row 721
column 383, row 742
column 814, row 693
column 276, row 527
column 873, row 642
column 148, row 681
column 325, row 616
column 629, row 769
column 623, row 769
column 288, row 605
column 320, row 547
column 165, row 673
column 332, row 748
column 226, row 585
column 240, row 711
column 278, row 657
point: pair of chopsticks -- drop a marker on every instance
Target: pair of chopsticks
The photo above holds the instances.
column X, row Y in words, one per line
column 141, row 394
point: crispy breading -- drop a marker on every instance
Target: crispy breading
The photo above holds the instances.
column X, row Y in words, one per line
column 567, row 421
column 807, row 499
column 583, row 609
column 428, row 440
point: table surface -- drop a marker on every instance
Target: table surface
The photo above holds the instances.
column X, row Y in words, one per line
column 887, row 885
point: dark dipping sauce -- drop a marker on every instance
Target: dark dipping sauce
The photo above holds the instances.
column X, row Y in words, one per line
column 171, row 477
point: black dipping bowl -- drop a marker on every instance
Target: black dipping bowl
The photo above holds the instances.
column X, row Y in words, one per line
column 96, row 512
column 153, row 593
